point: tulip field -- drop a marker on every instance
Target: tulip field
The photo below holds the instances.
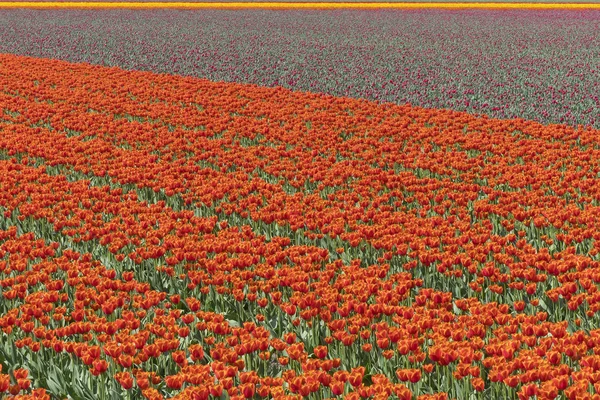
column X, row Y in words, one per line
column 167, row 236
column 541, row 65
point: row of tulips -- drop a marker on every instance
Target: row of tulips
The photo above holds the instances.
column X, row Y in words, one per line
column 397, row 268
column 99, row 310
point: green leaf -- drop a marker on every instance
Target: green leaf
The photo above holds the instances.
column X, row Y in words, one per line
column 55, row 387
column 544, row 306
column 233, row 323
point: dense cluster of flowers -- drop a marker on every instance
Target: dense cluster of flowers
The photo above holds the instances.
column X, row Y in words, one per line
column 535, row 64
column 170, row 237
column 560, row 4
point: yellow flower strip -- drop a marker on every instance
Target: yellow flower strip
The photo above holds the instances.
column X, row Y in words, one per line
column 80, row 4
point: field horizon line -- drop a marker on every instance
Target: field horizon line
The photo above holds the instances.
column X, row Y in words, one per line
column 300, row 5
